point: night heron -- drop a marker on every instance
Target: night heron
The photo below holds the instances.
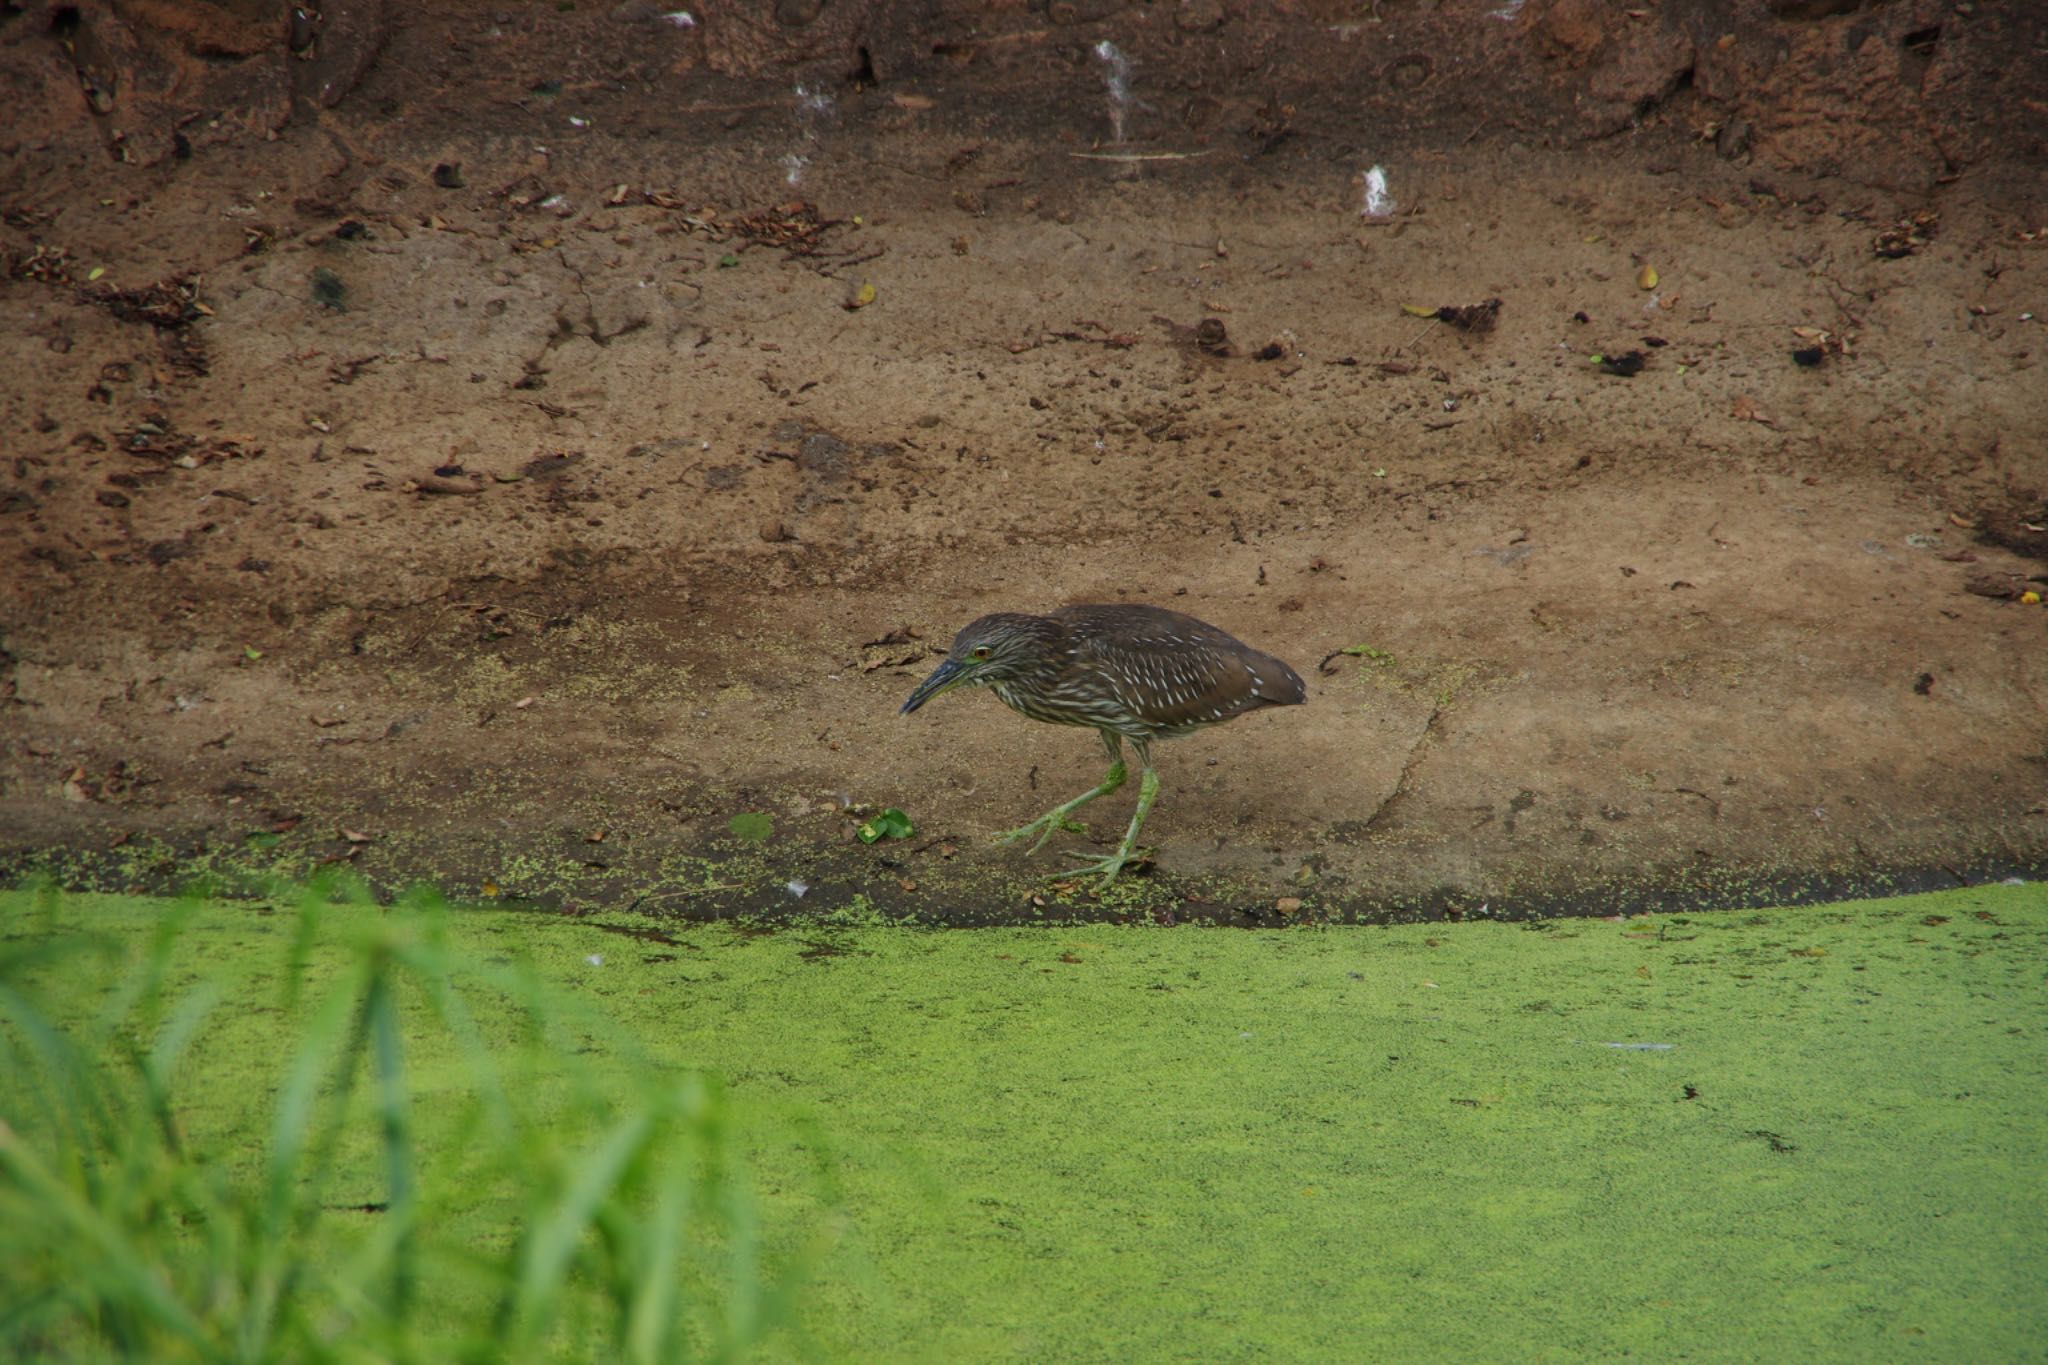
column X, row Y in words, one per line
column 1129, row 672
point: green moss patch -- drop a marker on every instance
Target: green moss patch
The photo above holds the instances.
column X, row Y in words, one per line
column 1801, row 1134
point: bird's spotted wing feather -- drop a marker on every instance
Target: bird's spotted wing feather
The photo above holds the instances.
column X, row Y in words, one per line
column 1171, row 672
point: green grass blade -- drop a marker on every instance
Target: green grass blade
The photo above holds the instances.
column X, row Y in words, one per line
column 653, row 1318
column 381, row 1009
column 556, row 1236
column 97, row 1253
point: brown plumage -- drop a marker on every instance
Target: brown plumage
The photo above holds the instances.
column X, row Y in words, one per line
column 1128, row 671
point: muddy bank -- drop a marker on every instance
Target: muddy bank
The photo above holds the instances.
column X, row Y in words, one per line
column 585, row 429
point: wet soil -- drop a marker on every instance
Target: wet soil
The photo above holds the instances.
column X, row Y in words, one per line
column 501, row 443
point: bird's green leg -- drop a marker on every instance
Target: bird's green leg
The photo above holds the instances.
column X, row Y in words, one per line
column 1109, row 864
column 1055, row 820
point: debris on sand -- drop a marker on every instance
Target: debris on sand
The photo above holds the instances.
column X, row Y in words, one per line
column 1116, row 77
column 2003, row 587
column 1745, row 409
column 1627, row 365
column 1477, row 318
column 1907, row 235
column 328, row 289
column 1378, row 202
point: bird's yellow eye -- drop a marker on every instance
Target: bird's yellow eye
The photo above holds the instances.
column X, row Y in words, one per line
column 980, row 651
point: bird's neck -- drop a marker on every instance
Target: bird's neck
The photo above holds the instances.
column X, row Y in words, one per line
column 1035, row 679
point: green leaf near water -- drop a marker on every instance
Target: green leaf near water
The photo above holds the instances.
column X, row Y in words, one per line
column 890, row 824
column 753, row 826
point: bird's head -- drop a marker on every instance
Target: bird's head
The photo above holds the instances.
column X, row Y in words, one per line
column 998, row 648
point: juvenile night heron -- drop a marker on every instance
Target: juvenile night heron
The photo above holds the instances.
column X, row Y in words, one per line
column 1130, row 672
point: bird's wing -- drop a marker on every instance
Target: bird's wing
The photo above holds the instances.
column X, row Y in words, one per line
column 1173, row 670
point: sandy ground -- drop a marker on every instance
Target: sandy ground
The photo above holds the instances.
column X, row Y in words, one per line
column 510, row 458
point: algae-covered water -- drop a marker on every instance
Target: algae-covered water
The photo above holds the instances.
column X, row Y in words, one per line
column 1814, row 1134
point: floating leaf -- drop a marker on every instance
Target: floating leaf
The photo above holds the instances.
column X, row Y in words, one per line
column 753, row 826
column 1646, row 278
column 1416, row 310
column 251, row 653
column 96, row 272
column 890, row 824
column 861, row 297
column 728, row 261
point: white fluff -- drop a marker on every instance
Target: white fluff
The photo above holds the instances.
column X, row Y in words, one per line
column 1378, row 203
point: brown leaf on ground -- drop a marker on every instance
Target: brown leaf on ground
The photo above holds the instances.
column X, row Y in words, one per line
column 1746, row 410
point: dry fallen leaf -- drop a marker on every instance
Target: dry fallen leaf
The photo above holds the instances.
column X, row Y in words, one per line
column 355, row 837
column 903, row 101
column 1746, row 410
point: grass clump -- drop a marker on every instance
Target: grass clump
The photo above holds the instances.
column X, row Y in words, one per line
column 413, row 1088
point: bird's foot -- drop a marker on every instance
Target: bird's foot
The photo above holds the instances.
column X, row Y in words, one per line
column 1107, row 864
column 1045, row 826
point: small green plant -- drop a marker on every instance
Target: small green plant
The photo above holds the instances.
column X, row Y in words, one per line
column 1372, row 654
column 753, row 826
column 890, row 824
column 132, row 1226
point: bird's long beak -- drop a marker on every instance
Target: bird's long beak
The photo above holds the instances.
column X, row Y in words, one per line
column 948, row 675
